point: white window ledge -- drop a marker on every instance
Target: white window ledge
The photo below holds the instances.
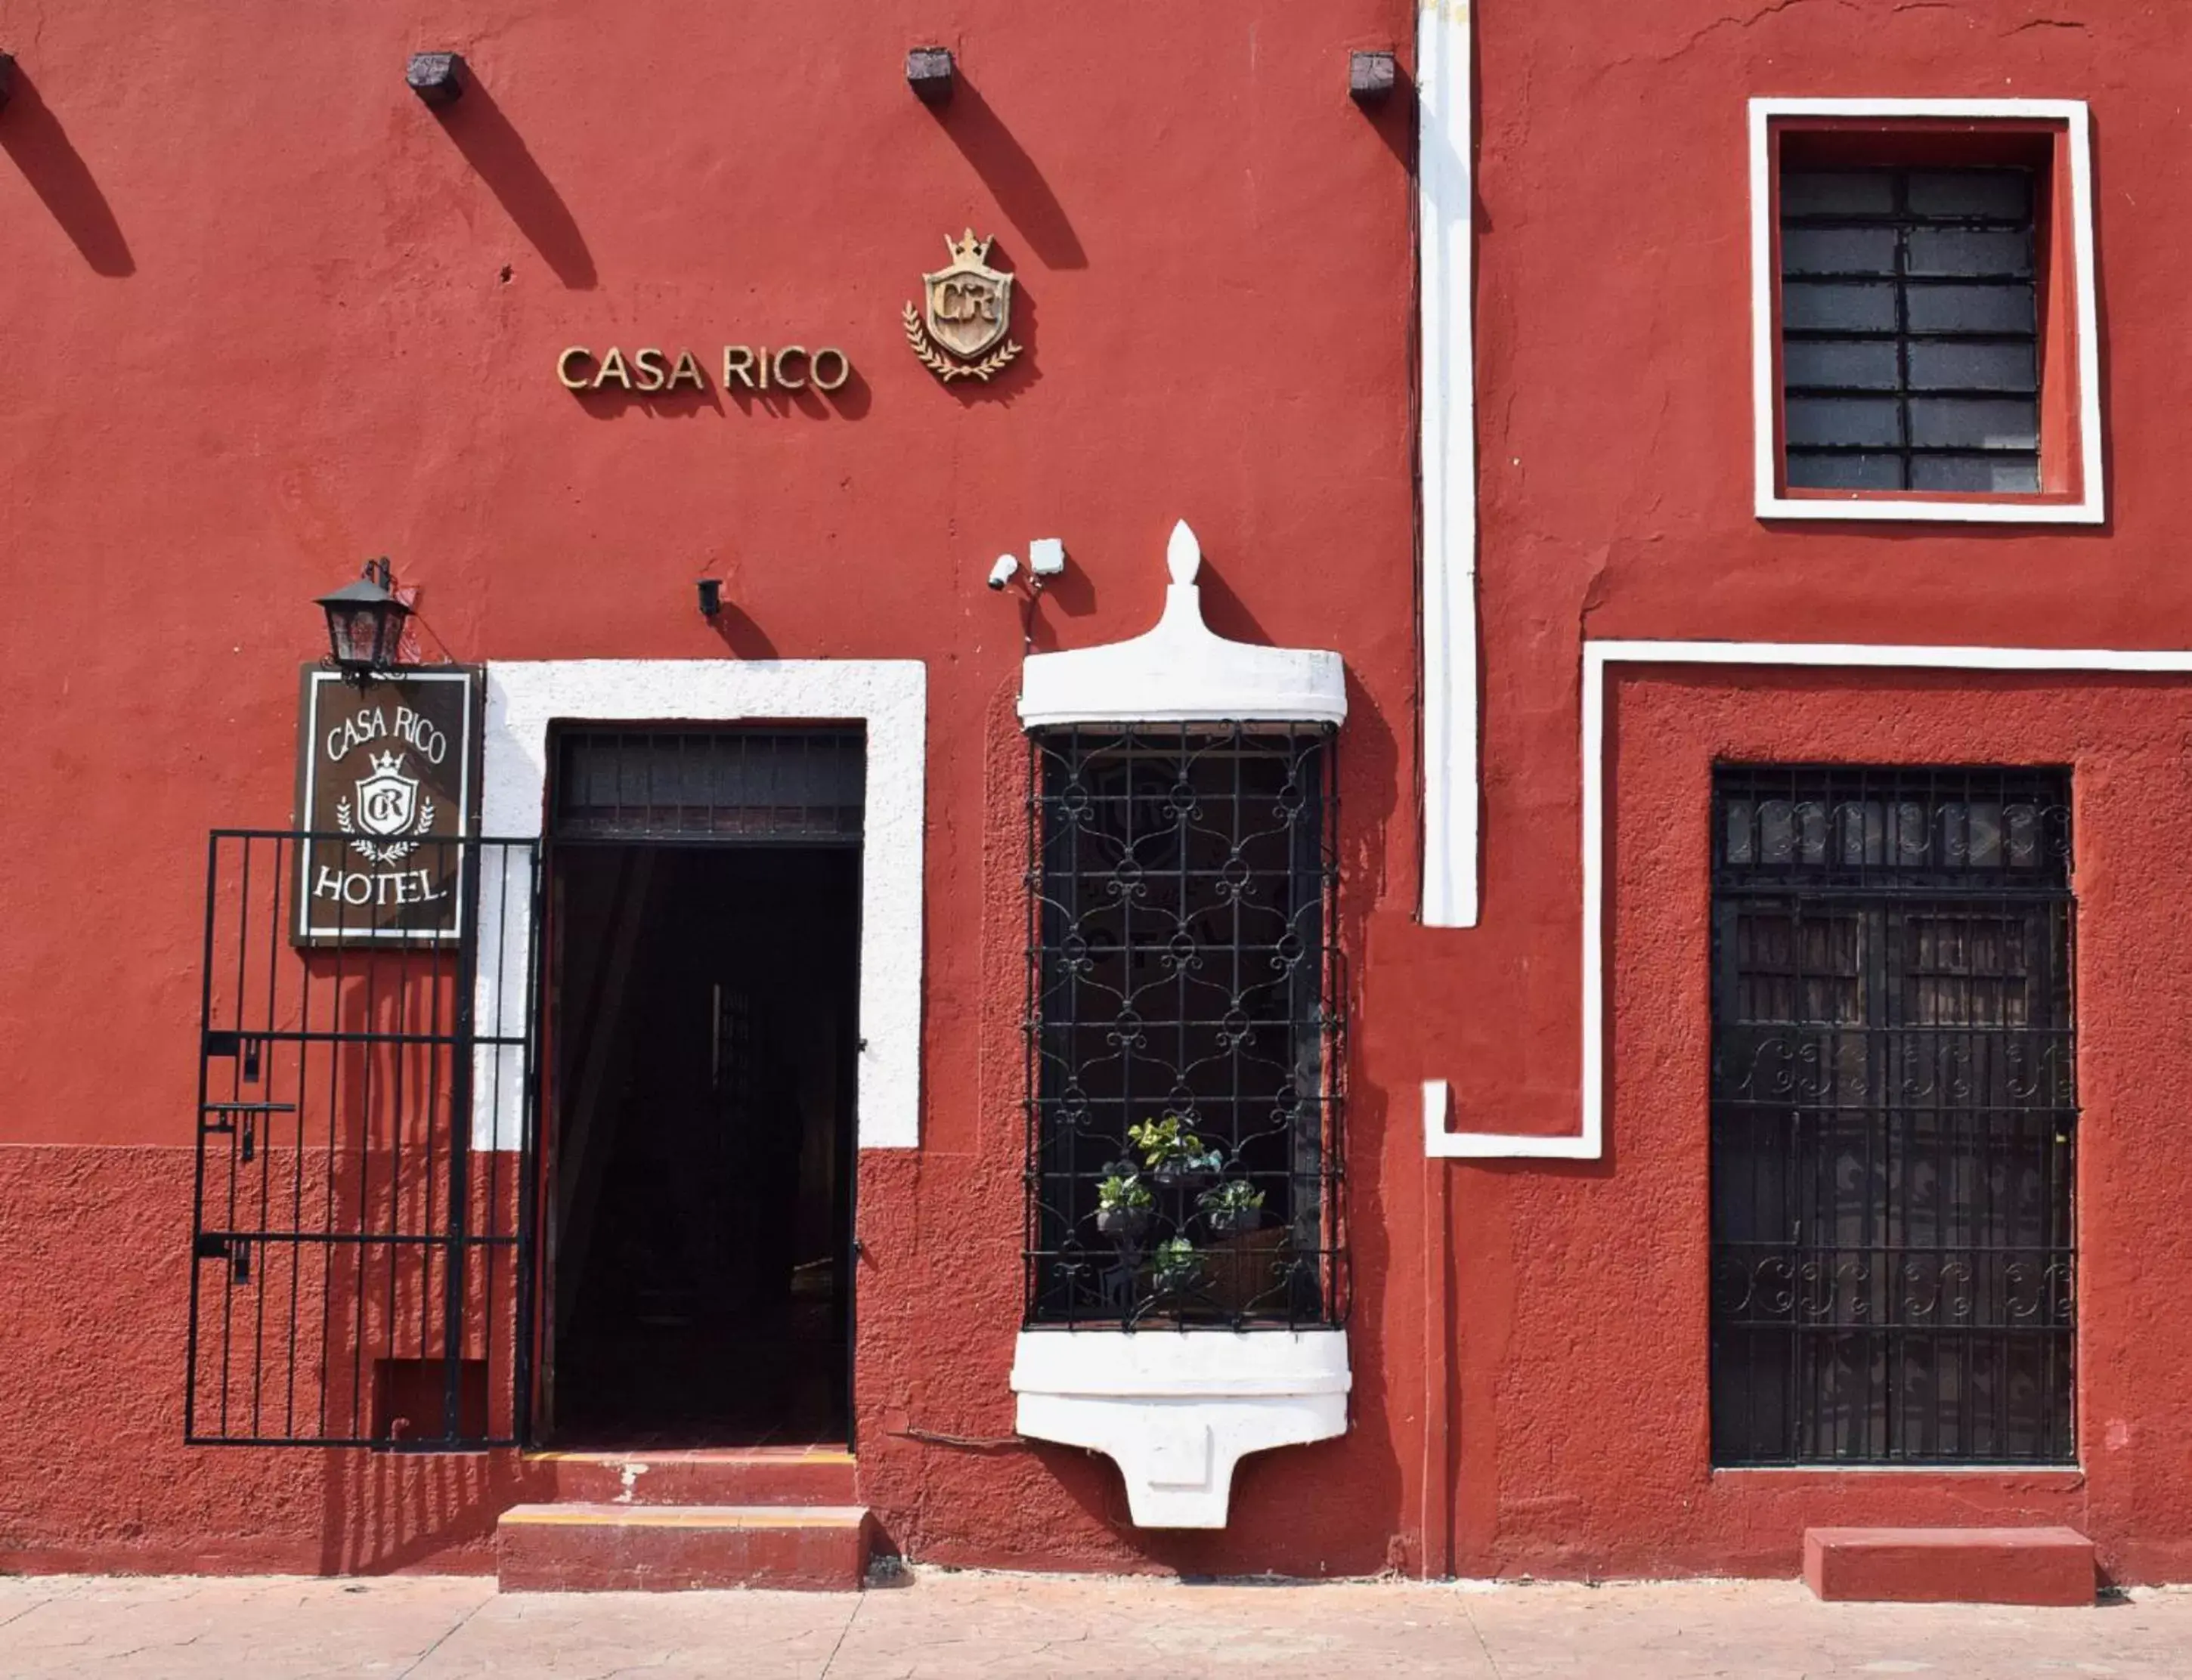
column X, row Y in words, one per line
column 1177, row 1409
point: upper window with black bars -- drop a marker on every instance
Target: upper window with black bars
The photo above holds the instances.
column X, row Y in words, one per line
column 1894, row 1117
column 1183, row 1029
column 1910, row 347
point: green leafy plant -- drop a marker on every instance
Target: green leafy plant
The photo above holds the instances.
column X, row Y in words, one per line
column 1161, row 1140
column 1235, row 1205
column 1123, row 1203
column 1124, row 1191
column 1171, row 1151
column 1174, row 1265
column 1235, row 1193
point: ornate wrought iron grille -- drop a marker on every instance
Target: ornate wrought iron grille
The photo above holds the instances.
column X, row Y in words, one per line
column 363, row 1232
column 1184, row 1028
column 1894, row 1117
column 1909, row 343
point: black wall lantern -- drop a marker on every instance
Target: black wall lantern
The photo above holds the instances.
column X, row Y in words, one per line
column 365, row 623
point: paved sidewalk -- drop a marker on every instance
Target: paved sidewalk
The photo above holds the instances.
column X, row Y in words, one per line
column 946, row 1625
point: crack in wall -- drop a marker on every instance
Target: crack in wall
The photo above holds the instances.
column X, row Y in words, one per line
column 1733, row 20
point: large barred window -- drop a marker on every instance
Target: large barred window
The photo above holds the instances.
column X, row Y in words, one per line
column 1894, row 1117
column 1183, row 1029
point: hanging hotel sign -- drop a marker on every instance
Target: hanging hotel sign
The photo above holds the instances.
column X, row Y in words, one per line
column 386, row 773
column 960, row 331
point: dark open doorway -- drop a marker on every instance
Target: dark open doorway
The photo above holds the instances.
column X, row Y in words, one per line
column 704, row 1055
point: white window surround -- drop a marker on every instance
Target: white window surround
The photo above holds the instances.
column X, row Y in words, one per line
column 1177, row 1409
column 2092, row 507
column 888, row 696
column 1598, row 659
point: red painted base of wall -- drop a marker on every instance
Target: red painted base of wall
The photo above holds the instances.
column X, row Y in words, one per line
column 1950, row 1566
column 94, row 1474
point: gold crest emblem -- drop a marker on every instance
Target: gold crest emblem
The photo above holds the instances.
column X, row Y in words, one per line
column 960, row 330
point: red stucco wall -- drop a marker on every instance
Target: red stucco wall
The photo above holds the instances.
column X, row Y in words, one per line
column 1624, row 1243
column 265, row 315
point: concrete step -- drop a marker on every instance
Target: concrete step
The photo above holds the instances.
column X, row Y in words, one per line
column 1950, row 1566
column 741, row 1476
column 592, row 1547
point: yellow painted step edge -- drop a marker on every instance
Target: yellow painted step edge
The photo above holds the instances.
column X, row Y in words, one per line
column 689, row 1516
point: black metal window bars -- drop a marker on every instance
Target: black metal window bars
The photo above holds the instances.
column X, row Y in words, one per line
column 771, row 787
column 1894, row 1117
column 1184, row 1028
column 1909, row 330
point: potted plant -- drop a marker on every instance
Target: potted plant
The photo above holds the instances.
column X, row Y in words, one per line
column 1233, row 1207
column 1123, row 1203
column 1175, row 1156
column 1174, row 1266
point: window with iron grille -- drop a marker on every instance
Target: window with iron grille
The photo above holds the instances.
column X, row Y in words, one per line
column 1182, row 1029
column 1894, row 1117
column 1910, row 329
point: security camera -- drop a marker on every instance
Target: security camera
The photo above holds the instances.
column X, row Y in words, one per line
column 1001, row 573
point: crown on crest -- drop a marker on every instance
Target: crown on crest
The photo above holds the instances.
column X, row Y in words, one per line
column 387, row 764
column 966, row 249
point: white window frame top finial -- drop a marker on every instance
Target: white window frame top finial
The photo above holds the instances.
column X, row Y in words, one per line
column 1182, row 671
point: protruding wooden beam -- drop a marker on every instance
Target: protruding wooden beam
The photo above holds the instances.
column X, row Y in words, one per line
column 1371, row 76
column 928, row 73
column 437, row 78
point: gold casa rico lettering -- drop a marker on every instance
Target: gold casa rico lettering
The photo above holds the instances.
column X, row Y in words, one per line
column 650, row 369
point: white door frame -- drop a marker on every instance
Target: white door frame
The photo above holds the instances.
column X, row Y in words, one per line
column 889, row 696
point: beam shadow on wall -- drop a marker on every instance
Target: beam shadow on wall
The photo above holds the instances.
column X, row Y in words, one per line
column 1393, row 118
column 499, row 155
column 33, row 137
column 742, row 638
column 1012, row 175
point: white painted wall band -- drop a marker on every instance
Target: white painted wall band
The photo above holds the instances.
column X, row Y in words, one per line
column 1446, row 638
column 1599, row 657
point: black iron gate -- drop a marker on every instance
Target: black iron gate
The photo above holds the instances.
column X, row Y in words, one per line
column 365, row 1208
column 1894, row 1117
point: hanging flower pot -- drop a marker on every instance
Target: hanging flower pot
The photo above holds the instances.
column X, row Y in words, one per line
column 1233, row 1207
column 1174, row 1267
column 1123, row 1224
column 1123, row 1206
column 1186, row 1172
